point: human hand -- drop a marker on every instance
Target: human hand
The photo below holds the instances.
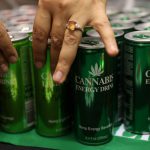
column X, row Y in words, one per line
column 8, row 54
column 51, row 19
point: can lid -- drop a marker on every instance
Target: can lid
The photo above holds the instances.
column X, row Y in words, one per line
column 15, row 36
column 118, row 25
column 138, row 36
column 91, row 43
column 143, row 26
column 25, row 28
column 146, row 19
column 125, row 18
column 112, row 11
column 22, row 20
column 94, row 33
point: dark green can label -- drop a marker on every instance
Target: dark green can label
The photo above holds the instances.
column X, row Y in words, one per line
column 94, row 93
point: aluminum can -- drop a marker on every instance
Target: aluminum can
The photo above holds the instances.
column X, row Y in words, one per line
column 16, row 101
column 137, row 82
column 138, row 12
column 126, row 27
column 146, row 19
column 143, row 26
column 53, row 110
column 118, row 103
column 94, row 89
column 22, row 28
column 125, row 18
column 22, row 20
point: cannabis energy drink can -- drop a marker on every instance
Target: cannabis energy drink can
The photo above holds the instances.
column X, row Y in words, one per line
column 118, row 103
column 94, row 88
column 143, row 26
column 137, row 82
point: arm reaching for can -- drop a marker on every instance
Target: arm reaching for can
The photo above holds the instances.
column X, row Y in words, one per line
column 8, row 54
column 63, row 21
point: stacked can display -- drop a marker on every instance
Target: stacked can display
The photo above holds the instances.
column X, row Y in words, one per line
column 94, row 88
column 16, row 101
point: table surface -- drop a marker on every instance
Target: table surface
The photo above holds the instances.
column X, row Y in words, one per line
column 68, row 142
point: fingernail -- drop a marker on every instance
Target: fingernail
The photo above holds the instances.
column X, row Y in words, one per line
column 57, row 76
column 113, row 50
column 4, row 67
column 39, row 64
column 12, row 59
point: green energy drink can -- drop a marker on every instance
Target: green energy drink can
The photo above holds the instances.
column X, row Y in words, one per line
column 138, row 12
column 118, row 103
column 126, row 27
column 53, row 109
column 94, row 88
column 16, row 101
column 137, row 82
column 146, row 19
column 143, row 26
column 125, row 18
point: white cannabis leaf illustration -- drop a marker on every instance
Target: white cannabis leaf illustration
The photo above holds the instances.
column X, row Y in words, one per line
column 96, row 70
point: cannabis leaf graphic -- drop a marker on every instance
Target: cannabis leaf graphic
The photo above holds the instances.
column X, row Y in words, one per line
column 96, row 70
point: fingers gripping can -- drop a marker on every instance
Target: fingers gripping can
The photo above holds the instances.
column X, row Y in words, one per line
column 94, row 89
column 16, row 101
column 53, row 114
column 137, row 82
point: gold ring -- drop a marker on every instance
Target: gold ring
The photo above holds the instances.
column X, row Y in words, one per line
column 73, row 25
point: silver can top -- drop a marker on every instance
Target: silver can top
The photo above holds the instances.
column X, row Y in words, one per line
column 15, row 36
column 90, row 43
column 143, row 26
column 138, row 36
column 146, row 19
column 118, row 25
column 125, row 18
column 94, row 33
column 24, row 28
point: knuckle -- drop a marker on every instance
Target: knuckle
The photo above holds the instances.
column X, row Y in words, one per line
column 39, row 34
column 101, row 24
column 63, row 4
column 44, row 2
column 56, row 41
column 70, row 39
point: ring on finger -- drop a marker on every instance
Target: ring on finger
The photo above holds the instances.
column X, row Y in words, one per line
column 73, row 25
